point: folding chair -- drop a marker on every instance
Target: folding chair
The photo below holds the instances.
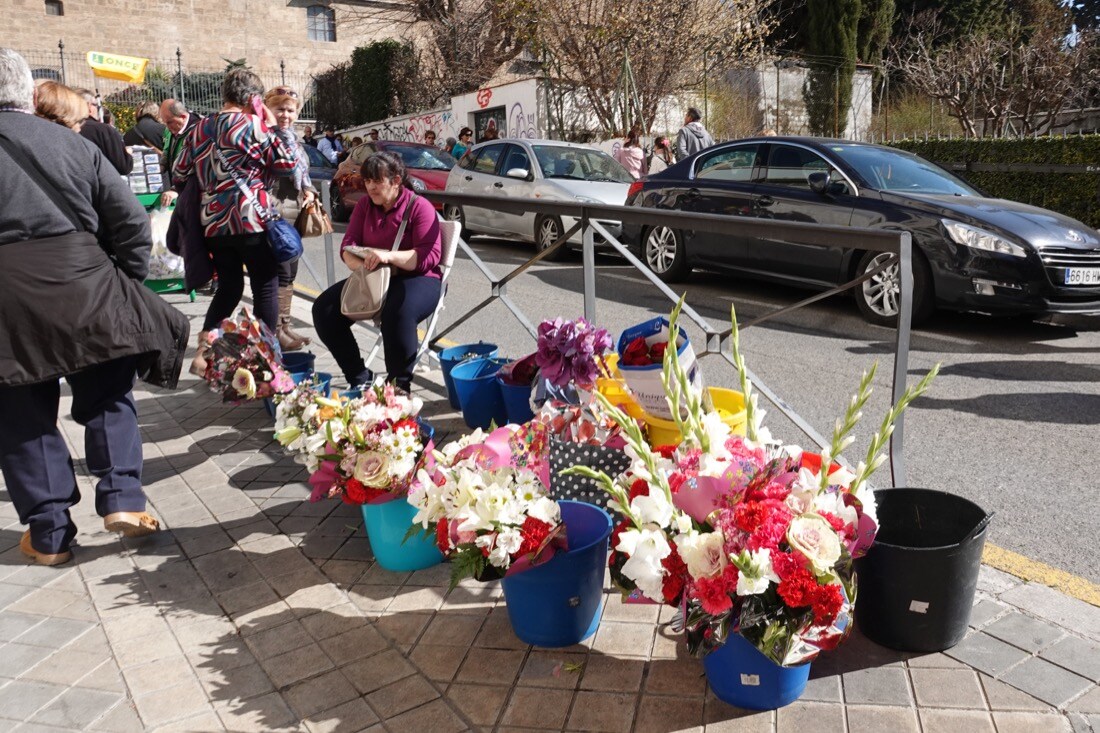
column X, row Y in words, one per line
column 449, row 232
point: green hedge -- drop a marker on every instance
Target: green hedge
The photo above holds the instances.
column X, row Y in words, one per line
column 1075, row 194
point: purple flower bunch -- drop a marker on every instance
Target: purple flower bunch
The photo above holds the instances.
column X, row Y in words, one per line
column 568, row 351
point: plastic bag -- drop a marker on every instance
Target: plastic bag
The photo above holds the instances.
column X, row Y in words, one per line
column 163, row 265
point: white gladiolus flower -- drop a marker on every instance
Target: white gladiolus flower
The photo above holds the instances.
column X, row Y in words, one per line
column 755, row 572
column 653, row 508
column 645, row 548
column 546, row 510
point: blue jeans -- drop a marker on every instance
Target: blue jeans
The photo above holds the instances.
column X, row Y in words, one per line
column 35, row 461
column 409, row 301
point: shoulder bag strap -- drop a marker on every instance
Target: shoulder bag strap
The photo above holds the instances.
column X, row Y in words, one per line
column 404, row 222
column 35, row 174
column 246, row 191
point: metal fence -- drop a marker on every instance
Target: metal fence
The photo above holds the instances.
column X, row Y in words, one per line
column 196, row 85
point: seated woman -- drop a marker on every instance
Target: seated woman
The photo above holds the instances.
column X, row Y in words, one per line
column 415, row 282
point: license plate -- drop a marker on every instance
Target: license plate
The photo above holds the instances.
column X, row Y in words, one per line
column 1083, row 276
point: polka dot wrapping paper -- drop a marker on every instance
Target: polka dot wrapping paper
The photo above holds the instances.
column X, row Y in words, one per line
column 563, row 455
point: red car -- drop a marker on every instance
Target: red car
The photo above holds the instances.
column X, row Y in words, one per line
column 427, row 165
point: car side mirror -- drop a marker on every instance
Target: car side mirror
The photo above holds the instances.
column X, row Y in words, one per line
column 520, row 173
column 819, row 182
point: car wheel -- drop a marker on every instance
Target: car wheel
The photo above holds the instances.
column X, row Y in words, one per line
column 455, row 213
column 879, row 298
column 340, row 212
column 665, row 254
column 548, row 229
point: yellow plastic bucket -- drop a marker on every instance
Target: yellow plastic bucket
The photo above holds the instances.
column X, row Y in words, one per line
column 729, row 403
column 617, row 393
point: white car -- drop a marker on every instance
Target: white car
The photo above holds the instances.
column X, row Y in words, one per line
column 539, row 169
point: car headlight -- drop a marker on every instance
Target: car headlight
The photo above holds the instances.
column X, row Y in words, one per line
column 587, row 200
column 976, row 238
column 417, row 185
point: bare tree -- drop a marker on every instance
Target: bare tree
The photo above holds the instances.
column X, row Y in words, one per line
column 461, row 43
column 1013, row 78
column 586, row 42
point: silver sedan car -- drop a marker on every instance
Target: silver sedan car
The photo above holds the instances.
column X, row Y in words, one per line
column 546, row 169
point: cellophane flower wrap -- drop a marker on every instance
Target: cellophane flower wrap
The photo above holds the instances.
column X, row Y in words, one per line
column 745, row 534
column 363, row 450
column 486, row 504
column 243, row 362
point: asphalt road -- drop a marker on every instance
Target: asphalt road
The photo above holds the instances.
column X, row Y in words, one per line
column 1012, row 422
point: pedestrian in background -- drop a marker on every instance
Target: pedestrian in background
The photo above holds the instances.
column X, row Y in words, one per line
column 307, row 137
column 356, row 142
column 631, row 154
column 373, row 135
column 147, row 129
column 74, row 248
column 463, row 144
column 662, row 155
column 692, row 137
column 240, row 134
column 178, row 123
column 330, row 145
column 429, row 138
column 449, row 145
column 103, row 136
column 291, row 194
column 57, row 103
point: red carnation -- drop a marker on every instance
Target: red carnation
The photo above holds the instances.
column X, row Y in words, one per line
column 443, row 536
column 749, row 515
column 672, row 586
column 665, row 451
column 834, row 521
column 715, row 594
column 771, row 532
column 798, row 589
column 785, row 564
column 827, row 602
column 355, row 492
column 675, row 481
column 534, row 533
column 640, row 487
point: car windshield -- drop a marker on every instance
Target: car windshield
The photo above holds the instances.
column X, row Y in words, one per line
column 430, row 159
column 889, row 170
column 316, row 158
column 579, row 164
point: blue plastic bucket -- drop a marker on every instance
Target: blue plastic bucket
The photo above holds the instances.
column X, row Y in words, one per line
column 517, row 401
column 739, row 674
column 299, row 361
column 478, row 391
column 387, row 525
column 453, row 355
column 351, row 394
column 324, row 381
column 557, row 603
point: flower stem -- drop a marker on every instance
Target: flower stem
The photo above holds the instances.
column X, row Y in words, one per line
column 743, row 376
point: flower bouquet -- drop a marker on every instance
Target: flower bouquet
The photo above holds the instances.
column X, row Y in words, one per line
column 745, row 535
column 244, row 361
column 483, row 500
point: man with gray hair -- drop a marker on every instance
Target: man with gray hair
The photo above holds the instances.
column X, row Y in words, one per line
column 74, row 249
column 103, row 136
column 178, row 123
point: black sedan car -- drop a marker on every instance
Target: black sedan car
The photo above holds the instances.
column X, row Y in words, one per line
column 971, row 252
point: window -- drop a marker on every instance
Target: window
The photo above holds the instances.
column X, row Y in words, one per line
column 582, row 164
column 791, row 166
column 468, row 160
column 55, row 7
column 321, row 23
column 487, row 159
column 517, row 158
column 731, row 164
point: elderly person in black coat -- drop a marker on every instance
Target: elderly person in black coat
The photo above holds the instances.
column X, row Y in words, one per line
column 74, row 248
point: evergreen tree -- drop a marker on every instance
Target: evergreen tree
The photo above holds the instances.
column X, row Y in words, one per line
column 831, row 42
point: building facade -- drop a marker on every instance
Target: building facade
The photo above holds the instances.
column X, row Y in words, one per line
column 307, row 36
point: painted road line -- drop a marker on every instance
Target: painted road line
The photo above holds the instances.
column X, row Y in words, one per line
column 310, row 292
column 1038, row 572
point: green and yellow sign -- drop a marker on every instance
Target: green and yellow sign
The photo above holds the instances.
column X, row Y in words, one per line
column 114, row 66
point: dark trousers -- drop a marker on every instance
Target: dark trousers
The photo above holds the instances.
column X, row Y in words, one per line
column 409, row 301
column 288, row 273
column 252, row 252
column 36, row 464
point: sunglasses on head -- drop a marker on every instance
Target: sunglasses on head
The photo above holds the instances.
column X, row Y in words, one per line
column 286, row 91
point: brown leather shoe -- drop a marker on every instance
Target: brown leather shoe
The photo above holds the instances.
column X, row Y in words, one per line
column 41, row 557
column 131, row 524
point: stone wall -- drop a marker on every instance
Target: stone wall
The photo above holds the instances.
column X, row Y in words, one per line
column 207, row 31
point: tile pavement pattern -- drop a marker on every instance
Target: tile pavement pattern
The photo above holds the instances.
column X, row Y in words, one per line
column 258, row 611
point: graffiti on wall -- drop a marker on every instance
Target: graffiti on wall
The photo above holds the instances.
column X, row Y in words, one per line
column 520, row 123
column 412, row 129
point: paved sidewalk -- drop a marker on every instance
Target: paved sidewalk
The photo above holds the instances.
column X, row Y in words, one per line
column 259, row 611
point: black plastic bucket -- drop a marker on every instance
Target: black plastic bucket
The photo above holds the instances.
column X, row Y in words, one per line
column 916, row 584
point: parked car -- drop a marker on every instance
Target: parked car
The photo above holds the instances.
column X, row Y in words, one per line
column 971, row 252
column 427, row 166
column 546, row 169
column 320, row 167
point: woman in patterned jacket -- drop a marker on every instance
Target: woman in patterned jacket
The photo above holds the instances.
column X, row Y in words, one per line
column 243, row 132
